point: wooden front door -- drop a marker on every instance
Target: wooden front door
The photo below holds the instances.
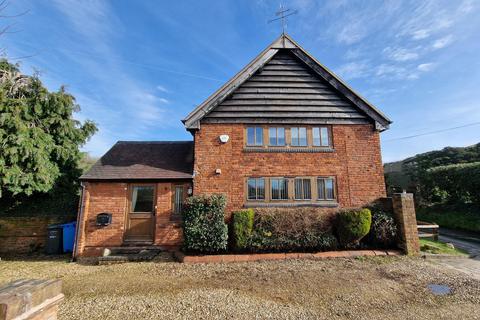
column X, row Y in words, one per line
column 141, row 213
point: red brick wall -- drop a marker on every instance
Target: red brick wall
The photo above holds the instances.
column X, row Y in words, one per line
column 356, row 163
column 113, row 197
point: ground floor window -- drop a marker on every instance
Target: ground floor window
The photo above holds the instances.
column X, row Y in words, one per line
column 303, row 189
column 326, row 188
column 279, row 188
column 256, row 188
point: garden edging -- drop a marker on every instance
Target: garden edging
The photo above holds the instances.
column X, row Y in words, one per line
column 221, row 258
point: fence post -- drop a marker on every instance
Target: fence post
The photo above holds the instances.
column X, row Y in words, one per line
column 404, row 213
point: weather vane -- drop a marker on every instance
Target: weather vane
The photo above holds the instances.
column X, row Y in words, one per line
column 282, row 14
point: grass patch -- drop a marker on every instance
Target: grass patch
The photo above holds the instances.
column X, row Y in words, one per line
column 437, row 247
column 464, row 217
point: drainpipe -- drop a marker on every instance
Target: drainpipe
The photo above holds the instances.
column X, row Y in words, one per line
column 79, row 220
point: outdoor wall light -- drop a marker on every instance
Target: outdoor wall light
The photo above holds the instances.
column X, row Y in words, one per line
column 224, row 138
column 218, row 171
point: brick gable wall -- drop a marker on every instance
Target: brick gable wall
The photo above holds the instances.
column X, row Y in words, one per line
column 356, row 163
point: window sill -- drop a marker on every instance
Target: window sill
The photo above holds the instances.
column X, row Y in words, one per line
column 289, row 149
column 322, row 204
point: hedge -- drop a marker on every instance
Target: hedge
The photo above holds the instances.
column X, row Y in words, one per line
column 242, row 224
column 352, row 225
column 456, row 183
column 204, row 228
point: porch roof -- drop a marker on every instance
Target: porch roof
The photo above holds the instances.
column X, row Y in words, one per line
column 144, row 160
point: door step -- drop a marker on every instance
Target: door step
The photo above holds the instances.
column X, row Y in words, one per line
column 128, row 254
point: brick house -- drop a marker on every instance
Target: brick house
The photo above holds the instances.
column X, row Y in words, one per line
column 283, row 132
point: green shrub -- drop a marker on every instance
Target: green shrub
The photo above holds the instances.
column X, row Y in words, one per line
column 204, row 227
column 299, row 229
column 383, row 231
column 242, row 224
column 352, row 225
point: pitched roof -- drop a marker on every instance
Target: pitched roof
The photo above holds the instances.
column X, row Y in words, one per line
column 285, row 44
column 137, row 160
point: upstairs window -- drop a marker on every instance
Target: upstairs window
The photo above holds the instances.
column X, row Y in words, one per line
column 326, row 188
column 279, row 188
column 299, row 136
column 303, row 190
column 321, row 137
column 276, row 136
column 254, row 136
column 256, row 188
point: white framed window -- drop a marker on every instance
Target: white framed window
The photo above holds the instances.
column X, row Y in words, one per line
column 321, row 136
column 303, row 189
column 254, row 136
column 276, row 136
column 326, row 188
column 298, row 136
column 256, row 188
column 279, row 188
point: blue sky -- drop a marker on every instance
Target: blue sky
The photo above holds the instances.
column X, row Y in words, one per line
column 138, row 67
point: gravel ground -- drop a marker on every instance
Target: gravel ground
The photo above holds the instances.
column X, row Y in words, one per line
column 366, row 288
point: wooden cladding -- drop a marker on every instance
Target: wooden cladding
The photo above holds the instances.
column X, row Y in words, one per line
column 286, row 89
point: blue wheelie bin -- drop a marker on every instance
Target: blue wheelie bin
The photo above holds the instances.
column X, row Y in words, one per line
column 68, row 236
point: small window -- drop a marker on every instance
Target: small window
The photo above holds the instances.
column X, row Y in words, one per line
column 276, row 136
column 303, row 189
column 326, row 188
column 142, row 199
column 254, row 136
column 299, row 137
column 321, row 137
column 279, row 188
column 178, row 204
column 256, row 188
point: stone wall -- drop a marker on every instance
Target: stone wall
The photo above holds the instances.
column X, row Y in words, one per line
column 355, row 162
column 27, row 234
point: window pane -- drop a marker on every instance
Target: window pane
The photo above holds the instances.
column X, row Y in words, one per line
column 307, row 192
column 142, row 199
column 325, row 140
column 316, row 136
column 178, row 199
column 298, row 189
column 281, row 136
column 250, row 136
column 294, row 132
column 260, row 189
column 251, row 189
column 259, row 136
column 302, row 136
column 272, row 134
column 321, row 189
column 275, row 189
column 329, row 188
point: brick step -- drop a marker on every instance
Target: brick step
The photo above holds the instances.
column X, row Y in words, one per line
column 133, row 249
column 122, row 255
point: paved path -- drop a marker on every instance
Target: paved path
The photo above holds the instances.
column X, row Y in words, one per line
column 463, row 240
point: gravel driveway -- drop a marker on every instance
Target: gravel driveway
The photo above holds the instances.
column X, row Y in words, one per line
column 367, row 288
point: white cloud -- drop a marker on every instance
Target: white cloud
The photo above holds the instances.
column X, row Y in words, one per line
column 162, row 88
column 442, row 42
column 400, row 54
column 353, row 70
column 420, row 34
column 425, row 67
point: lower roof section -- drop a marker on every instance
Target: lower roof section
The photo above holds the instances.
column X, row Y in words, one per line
column 144, row 160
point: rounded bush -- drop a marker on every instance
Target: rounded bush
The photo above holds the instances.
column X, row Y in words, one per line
column 383, row 232
column 352, row 225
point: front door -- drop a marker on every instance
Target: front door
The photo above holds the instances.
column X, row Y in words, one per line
column 141, row 213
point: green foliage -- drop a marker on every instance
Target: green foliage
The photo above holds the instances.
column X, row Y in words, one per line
column 383, row 231
column 204, row 228
column 300, row 229
column 40, row 139
column 352, row 225
column 242, row 224
column 456, row 183
column 437, row 247
column 455, row 216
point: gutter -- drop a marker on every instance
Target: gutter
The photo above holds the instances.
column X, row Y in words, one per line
column 79, row 219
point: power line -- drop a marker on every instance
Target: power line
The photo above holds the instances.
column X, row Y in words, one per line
column 434, row 132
